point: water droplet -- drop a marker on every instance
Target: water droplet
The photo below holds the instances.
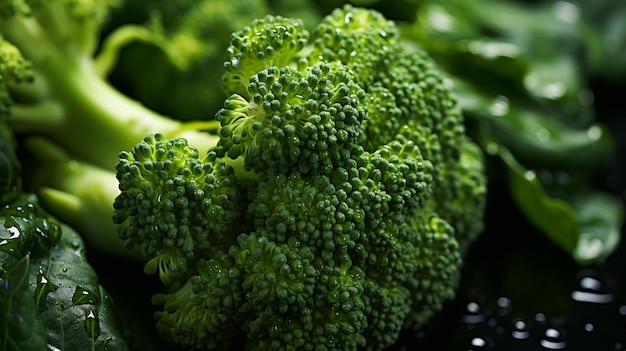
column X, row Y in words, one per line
column 92, row 324
column 473, row 314
column 14, row 233
column 83, row 296
column 440, row 19
column 530, row 175
column 540, row 317
column 543, row 135
column 500, row 106
column 43, row 288
column 553, row 340
column 592, row 290
column 479, row 344
column 504, row 305
column 492, row 148
column 622, row 310
column 520, row 330
column 594, row 132
column 589, row 327
column 75, row 244
column 566, row 11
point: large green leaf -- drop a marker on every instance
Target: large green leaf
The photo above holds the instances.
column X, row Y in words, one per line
column 583, row 222
column 50, row 293
column 20, row 328
column 76, row 310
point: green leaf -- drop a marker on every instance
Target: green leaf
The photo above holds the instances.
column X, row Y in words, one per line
column 540, row 141
column 537, row 136
column 48, row 288
column 554, row 217
column 78, row 313
column 10, row 166
column 20, row 328
column 585, row 223
column 600, row 217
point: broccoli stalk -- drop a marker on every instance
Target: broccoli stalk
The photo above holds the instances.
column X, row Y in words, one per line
column 69, row 101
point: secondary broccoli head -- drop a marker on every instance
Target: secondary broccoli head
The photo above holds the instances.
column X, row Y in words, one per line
column 174, row 204
column 186, row 46
column 356, row 220
column 71, row 24
column 14, row 69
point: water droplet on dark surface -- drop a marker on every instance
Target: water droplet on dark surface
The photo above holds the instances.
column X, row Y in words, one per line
column 43, row 287
column 553, row 339
column 473, row 315
column 521, row 330
column 479, row 344
column 592, row 290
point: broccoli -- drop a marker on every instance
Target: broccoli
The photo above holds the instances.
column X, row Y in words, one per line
column 361, row 196
column 184, row 41
column 52, row 46
column 51, row 89
column 50, row 294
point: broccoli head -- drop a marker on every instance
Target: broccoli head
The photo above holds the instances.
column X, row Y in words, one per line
column 361, row 195
column 307, row 120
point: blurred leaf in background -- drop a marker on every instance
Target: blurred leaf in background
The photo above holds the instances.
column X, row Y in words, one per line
column 520, row 71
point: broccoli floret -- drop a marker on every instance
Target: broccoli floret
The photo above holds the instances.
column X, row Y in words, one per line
column 309, row 121
column 203, row 313
column 272, row 41
column 14, row 70
column 356, row 37
column 354, row 217
column 175, row 205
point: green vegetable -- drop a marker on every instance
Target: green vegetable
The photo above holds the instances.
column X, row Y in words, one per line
column 531, row 104
column 54, row 90
column 68, row 96
column 317, row 186
column 182, row 40
column 358, row 195
column 50, row 297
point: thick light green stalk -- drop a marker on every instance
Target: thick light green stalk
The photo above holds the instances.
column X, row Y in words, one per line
column 88, row 117
column 77, row 193
column 72, row 104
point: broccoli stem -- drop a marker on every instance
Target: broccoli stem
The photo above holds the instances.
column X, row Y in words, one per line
column 85, row 114
column 76, row 192
column 71, row 103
